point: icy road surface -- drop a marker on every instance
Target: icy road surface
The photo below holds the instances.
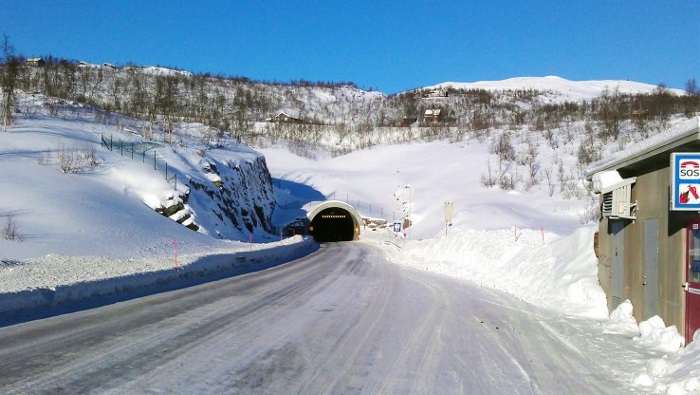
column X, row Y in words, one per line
column 342, row 321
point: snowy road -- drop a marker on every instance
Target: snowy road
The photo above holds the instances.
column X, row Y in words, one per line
column 341, row 321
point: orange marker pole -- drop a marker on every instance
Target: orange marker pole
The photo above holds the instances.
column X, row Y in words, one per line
column 175, row 244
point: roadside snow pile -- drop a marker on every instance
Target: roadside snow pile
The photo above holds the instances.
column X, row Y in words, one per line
column 651, row 334
column 60, row 280
column 560, row 275
column 654, row 334
column 682, row 375
column 622, row 320
column 677, row 371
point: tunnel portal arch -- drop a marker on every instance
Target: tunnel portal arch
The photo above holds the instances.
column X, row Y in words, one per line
column 335, row 220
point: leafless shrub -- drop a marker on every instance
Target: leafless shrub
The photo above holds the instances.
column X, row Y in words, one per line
column 550, row 181
column 588, row 152
column 507, row 182
column 530, row 159
column 573, row 190
column 561, row 176
column 44, row 159
column 67, row 161
column 73, row 160
column 488, row 180
column 569, row 134
column 591, row 213
column 9, row 231
column 503, row 147
column 89, row 156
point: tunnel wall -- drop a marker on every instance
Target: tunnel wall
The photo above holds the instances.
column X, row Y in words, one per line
column 356, row 217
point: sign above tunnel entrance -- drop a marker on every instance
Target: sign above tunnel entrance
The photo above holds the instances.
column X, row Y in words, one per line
column 685, row 181
column 334, row 216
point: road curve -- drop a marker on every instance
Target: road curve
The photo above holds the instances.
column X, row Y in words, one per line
column 341, row 321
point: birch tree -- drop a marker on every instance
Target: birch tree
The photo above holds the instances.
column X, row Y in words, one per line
column 9, row 73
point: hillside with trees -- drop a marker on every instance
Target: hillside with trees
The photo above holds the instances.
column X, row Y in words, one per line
column 537, row 136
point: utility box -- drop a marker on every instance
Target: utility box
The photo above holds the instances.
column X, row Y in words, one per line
column 617, row 202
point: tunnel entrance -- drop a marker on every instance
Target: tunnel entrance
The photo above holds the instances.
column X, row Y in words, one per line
column 334, row 221
column 333, row 224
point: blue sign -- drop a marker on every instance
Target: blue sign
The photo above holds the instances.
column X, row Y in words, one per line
column 685, row 181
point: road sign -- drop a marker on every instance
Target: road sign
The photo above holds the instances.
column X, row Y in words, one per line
column 448, row 215
column 448, row 211
column 685, row 181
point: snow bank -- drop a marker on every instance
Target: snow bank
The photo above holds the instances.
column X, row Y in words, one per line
column 561, row 275
column 57, row 281
column 622, row 320
column 677, row 371
column 654, row 334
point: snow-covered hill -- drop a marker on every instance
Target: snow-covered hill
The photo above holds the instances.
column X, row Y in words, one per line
column 564, row 89
column 98, row 225
column 67, row 193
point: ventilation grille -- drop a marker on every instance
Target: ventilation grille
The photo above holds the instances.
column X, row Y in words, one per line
column 617, row 202
column 616, row 301
column 607, row 204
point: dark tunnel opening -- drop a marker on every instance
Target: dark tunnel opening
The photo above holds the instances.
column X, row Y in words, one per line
column 331, row 225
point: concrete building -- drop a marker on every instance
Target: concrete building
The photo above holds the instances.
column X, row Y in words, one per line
column 649, row 231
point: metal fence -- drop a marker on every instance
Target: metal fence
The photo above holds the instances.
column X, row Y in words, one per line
column 146, row 151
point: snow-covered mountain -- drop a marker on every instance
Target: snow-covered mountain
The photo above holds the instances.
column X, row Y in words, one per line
column 234, row 104
column 553, row 85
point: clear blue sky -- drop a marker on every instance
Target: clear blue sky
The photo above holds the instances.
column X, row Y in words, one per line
column 389, row 46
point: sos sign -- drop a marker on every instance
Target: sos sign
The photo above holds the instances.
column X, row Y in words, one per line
column 689, row 170
column 685, row 181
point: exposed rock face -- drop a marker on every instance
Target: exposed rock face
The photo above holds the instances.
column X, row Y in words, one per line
column 236, row 198
column 176, row 209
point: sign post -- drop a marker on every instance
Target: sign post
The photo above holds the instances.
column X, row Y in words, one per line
column 685, row 181
column 448, row 214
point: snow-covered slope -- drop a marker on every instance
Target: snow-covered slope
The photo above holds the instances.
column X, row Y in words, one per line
column 66, row 193
column 394, row 181
column 101, row 220
column 565, row 89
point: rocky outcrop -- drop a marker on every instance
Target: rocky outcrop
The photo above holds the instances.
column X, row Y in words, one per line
column 234, row 199
column 176, row 209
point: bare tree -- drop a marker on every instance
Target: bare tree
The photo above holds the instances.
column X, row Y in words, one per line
column 8, row 79
column 503, row 148
column 611, row 114
column 692, row 87
column 531, row 161
column 488, row 180
column 550, row 181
